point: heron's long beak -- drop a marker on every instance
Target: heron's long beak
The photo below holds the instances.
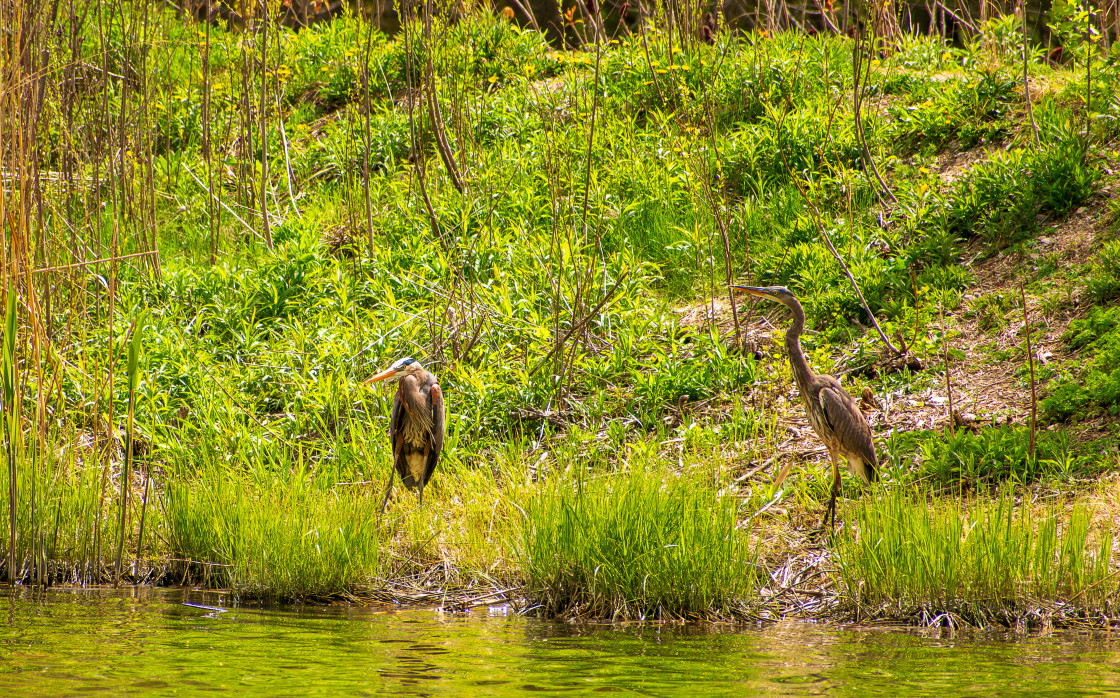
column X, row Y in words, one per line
column 387, row 373
column 756, row 291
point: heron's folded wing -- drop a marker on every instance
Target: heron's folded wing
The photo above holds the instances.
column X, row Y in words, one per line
column 848, row 425
column 438, row 428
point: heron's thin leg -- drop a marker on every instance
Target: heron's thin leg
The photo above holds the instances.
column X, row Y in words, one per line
column 388, row 489
column 421, row 493
column 831, row 510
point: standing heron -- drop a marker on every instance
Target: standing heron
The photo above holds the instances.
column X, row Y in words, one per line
column 832, row 412
column 416, row 424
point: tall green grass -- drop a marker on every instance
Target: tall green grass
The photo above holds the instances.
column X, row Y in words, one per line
column 644, row 543
column 994, row 556
column 57, row 515
column 282, row 537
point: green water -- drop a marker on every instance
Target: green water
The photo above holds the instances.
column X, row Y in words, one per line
column 150, row 642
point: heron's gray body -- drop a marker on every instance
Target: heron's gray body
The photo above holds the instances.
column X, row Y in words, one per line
column 832, row 412
column 411, row 429
column 834, row 415
column 416, row 425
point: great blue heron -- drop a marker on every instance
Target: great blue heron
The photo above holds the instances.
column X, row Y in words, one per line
column 416, row 424
column 832, row 412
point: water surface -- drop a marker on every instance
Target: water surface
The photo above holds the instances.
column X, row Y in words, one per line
column 151, row 642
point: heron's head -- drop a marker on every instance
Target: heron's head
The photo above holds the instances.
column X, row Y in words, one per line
column 400, row 367
column 780, row 294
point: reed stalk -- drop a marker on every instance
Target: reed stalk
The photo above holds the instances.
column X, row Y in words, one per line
column 10, row 378
column 1030, row 362
column 132, row 375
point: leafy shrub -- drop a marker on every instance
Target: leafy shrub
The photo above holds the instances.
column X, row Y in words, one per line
column 1097, row 385
column 994, row 455
column 697, row 377
column 1104, row 278
column 999, row 199
column 1065, row 401
column 1084, row 332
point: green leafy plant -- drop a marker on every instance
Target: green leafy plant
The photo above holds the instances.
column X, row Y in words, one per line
column 967, row 460
column 1104, row 276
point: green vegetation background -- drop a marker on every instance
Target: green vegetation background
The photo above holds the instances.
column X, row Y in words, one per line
column 570, row 296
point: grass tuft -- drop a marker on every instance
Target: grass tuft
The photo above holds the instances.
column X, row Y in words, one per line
column 274, row 538
column 960, row 558
column 646, row 543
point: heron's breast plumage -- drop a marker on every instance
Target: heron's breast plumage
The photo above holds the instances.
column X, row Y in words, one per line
column 414, row 429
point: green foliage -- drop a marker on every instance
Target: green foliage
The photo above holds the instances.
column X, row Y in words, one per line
column 666, row 379
column 1104, row 276
column 644, row 543
column 998, row 200
column 1085, row 332
column 973, row 109
column 571, row 277
column 983, row 558
column 967, row 460
column 1095, row 384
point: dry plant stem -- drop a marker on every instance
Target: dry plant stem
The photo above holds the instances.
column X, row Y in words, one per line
column 581, row 285
column 126, row 473
column 114, row 250
column 945, row 358
column 964, row 17
column 143, row 517
column 9, row 423
column 917, row 316
column 649, row 62
column 366, row 129
column 207, row 146
column 221, row 204
column 265, row 230
column 434, row 112
column 1026, row 85
column 1088, row 76
column 287, row 158
column 1030, row 361
column 844, row 268
column 532, row 17
column 417, row 152
column 246, row 173
column 716, row 206
column 579, row 325
column 277, row 95
column 146, row 138
column 79, row 265
column 859, row 60
column 591, row 141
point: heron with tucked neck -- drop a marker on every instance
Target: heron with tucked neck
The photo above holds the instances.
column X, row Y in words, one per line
column 832, row 412
column 416, row 424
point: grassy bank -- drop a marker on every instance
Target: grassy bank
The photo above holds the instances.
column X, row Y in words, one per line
column 997, row 562
column 267, row 218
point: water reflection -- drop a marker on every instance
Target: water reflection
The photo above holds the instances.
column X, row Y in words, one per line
column 150, row 642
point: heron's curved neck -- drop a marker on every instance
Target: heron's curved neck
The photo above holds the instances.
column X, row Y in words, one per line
column 801, row 371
